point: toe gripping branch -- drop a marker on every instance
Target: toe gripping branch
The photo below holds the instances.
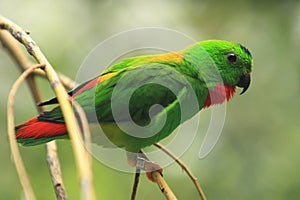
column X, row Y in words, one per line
column 143, row 163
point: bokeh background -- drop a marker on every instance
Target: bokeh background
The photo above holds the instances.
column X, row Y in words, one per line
column 257, row 156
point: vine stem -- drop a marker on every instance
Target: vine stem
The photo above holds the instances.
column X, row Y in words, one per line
column 28, row 191
column 57, row 81
column 135, row 183
column 185, row 168
column 158, row 178
column 81, row 154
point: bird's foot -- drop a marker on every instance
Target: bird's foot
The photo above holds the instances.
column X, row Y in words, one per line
column 148, row 167
column 142, row 162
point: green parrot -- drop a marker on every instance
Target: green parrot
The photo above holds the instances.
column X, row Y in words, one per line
column 139, row 101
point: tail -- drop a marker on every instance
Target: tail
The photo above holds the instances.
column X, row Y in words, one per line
column 35, row 131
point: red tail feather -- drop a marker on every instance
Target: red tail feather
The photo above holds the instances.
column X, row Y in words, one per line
column 38, row 129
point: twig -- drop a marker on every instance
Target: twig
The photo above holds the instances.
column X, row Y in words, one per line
column 135, row 183
column 52, row 157
column 82, row 160
column 86, row 136
column 54, row 167
column 163, row 186
column 22, row 61
column 84, row 124
column 51, row 148
column 29, row 194
column 185, row 168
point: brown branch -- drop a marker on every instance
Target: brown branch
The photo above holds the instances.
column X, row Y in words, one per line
column 55, row 171
column 82, row 160
column 29, row 194
column 86, row 136
column 52, row 160
column 23, row 62
column 51, row 148
column 157, row 176
column 185, row 168
column 135, row 183
column 163, row 186
column 84, row 123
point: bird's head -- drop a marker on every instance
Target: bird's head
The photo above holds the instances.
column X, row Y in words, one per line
column 233, row 61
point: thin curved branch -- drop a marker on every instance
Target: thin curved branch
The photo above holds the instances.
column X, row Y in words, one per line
column 51, row 148
column 135, row 183
column 12, row 139
column 24, row 63
column 82, row 160
column 157, row 176
column 163, row 186
column 185, row 168
column 55, row 170
column 84, row 123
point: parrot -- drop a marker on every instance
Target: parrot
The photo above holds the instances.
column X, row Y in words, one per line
column 201, row 75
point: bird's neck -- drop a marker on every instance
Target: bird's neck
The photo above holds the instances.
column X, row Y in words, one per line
column 219, row 95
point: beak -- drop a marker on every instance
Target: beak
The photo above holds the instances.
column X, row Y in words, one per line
column 244, row 82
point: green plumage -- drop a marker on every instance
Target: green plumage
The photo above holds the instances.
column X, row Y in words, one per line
column 170, row 80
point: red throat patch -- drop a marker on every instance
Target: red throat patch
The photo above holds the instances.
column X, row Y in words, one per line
column 219, row 95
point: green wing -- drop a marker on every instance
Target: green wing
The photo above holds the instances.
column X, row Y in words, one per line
column 129, row 95
column 133, row 90
column 143, row 86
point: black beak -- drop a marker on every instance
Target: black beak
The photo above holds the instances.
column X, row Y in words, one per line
column 244, row 82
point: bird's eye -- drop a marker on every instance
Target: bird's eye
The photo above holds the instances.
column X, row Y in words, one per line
column 232, row 58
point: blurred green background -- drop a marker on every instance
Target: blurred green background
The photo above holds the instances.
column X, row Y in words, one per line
column 257, row 156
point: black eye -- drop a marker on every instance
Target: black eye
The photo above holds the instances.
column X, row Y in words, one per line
column 232, row 58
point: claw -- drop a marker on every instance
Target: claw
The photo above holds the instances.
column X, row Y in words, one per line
column 149, row 167
column 149, row 173
column 141, row 162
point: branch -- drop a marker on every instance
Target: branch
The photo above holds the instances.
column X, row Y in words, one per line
column 23, row 62
column 55, row 171
column 163, row 186
column 81, row 155
column 51, row 148
column 156, row 175
column 29, row 194
column 52, row 159
column 135, row 183
column 185, row 168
